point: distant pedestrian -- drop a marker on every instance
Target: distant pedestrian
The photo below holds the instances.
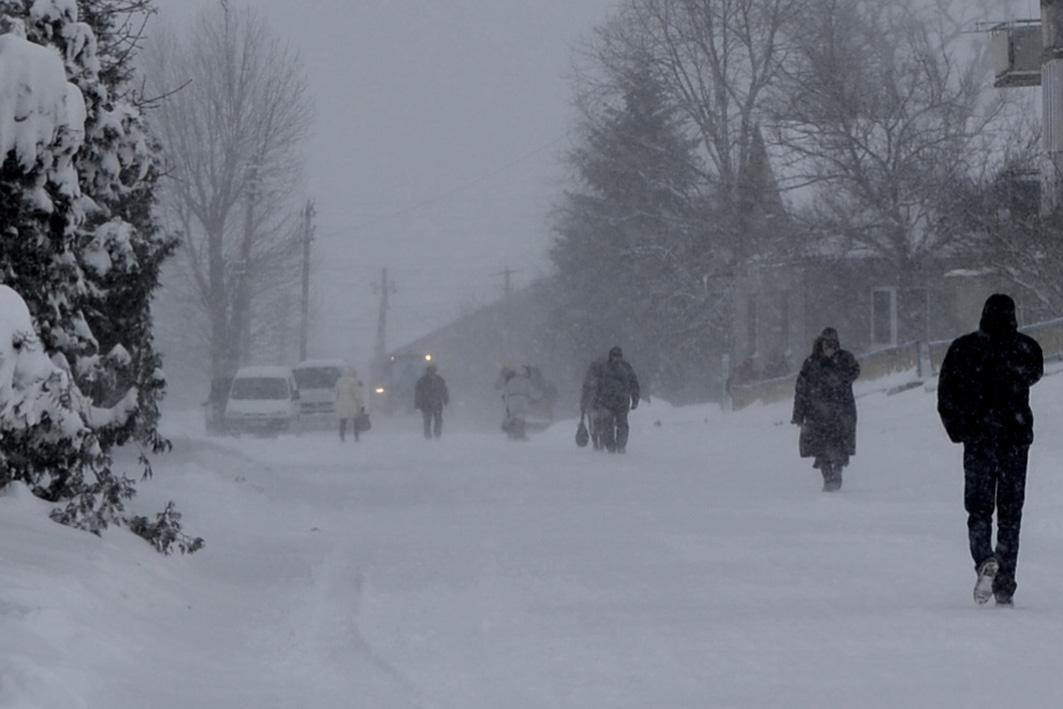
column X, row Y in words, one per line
column 825, row 408
column 610, row 391
column 984, row 403
column 350, row 402
column 430, row 396
column 517, row 394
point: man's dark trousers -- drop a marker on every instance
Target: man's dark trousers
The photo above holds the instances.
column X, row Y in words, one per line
column 615, row 429
column 433, row 422
column 995, row 476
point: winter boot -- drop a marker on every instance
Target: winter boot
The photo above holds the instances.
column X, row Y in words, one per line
column 983, row 587
column 832, row 477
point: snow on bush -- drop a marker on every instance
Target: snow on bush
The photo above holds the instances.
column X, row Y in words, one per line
column 80, row 253
column 111, row 246
column 48, row 441
column 42, row 116
column 40, row 406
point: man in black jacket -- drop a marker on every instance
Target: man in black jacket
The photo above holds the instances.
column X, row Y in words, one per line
column 430, row 396
column 984, row 403
column 610, row 390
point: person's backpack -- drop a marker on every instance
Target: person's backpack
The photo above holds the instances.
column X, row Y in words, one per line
column 583, row 436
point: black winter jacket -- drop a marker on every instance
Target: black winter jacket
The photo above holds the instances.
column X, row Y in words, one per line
column 431, row 393
column 984, row 383
column 610, row 385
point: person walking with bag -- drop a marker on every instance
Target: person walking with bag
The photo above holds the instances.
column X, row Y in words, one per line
column 610, row 391
column 350, row 402
column 825, row 408
column 984, row 403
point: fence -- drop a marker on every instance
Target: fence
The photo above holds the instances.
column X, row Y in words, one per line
column 892, row 361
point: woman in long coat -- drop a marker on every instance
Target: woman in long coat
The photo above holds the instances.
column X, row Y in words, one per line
column 350, row 402
column 825, row 408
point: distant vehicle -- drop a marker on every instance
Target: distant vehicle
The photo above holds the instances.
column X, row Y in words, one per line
column 262, row 400
column 316, row 380
column 394, row 380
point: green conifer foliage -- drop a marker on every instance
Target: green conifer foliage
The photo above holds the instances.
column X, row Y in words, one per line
column 86, row 261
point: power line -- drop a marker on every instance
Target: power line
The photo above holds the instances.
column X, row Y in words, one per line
column 462, row 186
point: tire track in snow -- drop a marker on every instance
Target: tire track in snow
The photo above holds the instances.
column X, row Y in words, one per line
column 332, row 633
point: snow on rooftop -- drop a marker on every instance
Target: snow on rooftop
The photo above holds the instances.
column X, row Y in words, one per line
column 266, row 370
column 969, row 273
column 310, row 363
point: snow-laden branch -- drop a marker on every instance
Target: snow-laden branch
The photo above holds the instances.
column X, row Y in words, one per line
column 34, row 389
column 42, row 115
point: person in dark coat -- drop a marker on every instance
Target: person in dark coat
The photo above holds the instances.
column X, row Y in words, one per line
column 610, row 391
column 430, row 396
column 984, row 403
column 825, row 408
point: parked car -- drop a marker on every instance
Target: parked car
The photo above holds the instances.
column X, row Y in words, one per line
column 262, row 400
column 316, row 380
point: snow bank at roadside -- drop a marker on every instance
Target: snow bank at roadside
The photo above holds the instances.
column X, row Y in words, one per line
column 71, row 604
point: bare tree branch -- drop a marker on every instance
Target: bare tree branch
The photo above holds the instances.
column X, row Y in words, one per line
column 233, row 110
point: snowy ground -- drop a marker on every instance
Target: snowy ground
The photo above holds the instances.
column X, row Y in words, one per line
column 703, row 569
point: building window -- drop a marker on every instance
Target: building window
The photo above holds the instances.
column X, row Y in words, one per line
column 884, row 316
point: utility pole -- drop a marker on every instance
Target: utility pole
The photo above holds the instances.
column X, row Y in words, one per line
column 282, row 351
column 240, row 328
column 384, row 288
column 308, row 235
column 506, row 334
column 507, row 279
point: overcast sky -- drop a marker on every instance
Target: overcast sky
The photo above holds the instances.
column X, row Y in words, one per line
column 436, row 149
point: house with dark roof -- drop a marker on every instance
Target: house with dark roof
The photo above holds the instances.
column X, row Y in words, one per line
column 783, row 300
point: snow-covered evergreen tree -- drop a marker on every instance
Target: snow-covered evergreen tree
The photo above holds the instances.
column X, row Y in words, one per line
column 631, row 242
column 79, row 245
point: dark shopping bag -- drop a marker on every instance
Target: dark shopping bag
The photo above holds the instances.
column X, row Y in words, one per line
column 583, row 436
column 808, row 440
column 362, row 423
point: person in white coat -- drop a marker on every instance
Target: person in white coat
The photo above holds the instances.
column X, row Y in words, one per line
column 350, row 402
column 518, row 393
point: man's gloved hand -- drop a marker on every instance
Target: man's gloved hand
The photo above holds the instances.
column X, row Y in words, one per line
column 634, row 403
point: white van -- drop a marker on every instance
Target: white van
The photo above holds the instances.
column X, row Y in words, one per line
column 262, row 400
column 316, row 380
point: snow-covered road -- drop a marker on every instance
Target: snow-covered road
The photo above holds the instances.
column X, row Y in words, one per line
column 703, row 569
